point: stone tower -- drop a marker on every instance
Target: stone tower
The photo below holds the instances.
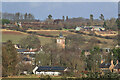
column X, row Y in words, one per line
column 61, row 41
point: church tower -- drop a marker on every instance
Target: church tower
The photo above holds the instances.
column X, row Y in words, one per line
column 61, row 40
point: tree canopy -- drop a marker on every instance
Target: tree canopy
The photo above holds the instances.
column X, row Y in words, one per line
column 5, row 21
column 9, row 59
column 31, row 41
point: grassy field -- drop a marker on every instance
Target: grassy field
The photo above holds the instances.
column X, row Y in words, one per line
column 15, row 36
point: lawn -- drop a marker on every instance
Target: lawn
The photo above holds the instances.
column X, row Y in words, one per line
column 15, row 36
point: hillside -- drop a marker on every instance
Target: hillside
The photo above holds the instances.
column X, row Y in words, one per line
column 15, row 36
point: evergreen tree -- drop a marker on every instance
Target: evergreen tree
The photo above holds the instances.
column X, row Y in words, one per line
column 17, row 16
column 91, row 19
column 104, row 25
column 66, row 18
column 25, row 16
column 102, row 17
column 50, row 16
column 63, row 18
column 118, row 23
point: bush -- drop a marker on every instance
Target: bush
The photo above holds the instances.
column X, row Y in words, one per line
column 5, row 21
column 110, row 75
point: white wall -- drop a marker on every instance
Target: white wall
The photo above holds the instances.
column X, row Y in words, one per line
column 48, row 73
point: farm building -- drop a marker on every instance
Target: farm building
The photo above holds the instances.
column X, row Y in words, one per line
column 47, row 70
column 78, row 28
column 97, row 28
column 93, row 28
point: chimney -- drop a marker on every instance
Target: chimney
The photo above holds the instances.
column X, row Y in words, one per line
column 101, row 61
column 111, row 61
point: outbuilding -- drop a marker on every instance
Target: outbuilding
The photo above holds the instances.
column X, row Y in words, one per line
column 48, row 70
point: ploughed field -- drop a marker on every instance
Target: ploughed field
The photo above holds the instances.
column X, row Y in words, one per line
column 52, row 32
column 16, row 36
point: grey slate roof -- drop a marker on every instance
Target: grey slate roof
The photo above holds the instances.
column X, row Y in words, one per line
column 105, row 65
column 49, row 68
column 26, row 59
column 117, row 66
column 22, row 50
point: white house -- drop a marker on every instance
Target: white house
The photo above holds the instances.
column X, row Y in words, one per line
column 47, row 70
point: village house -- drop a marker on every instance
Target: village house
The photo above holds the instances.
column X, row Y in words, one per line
column 27, row 60
column 117, row 67
column 17, row 46
column 117, row 46
column 26, row 51
column 107, row 67
column 110, row 67
column 47, row 70
column 107, row 50
column 28, row 55
column 97, row 28
column 90, row 28
column 78, row 28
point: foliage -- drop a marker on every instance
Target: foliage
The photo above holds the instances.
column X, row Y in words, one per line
column 91, row 19
column 111, row 24
column 66, row 18
column 104, row 25
column 118, row 23
column 49, row 16
column 5, row 21
column 9, row 59
column 93, row 75
column 110, row 75
column 31, row 41
column 18, row 16
column 116, row 54
column 93, row 60
column 101, row 17
column 74, row 42
column 42, row 59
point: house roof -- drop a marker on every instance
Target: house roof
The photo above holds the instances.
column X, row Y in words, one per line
column 26, row 59
column 105, row 65
column 48, row 68
column 18, row 45
column 117, row 66
column 22, row 50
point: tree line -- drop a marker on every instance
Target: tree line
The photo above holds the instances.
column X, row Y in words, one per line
column 18, row 16
column 68, row 23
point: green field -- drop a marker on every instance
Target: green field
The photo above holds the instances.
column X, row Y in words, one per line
column 16, row 36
